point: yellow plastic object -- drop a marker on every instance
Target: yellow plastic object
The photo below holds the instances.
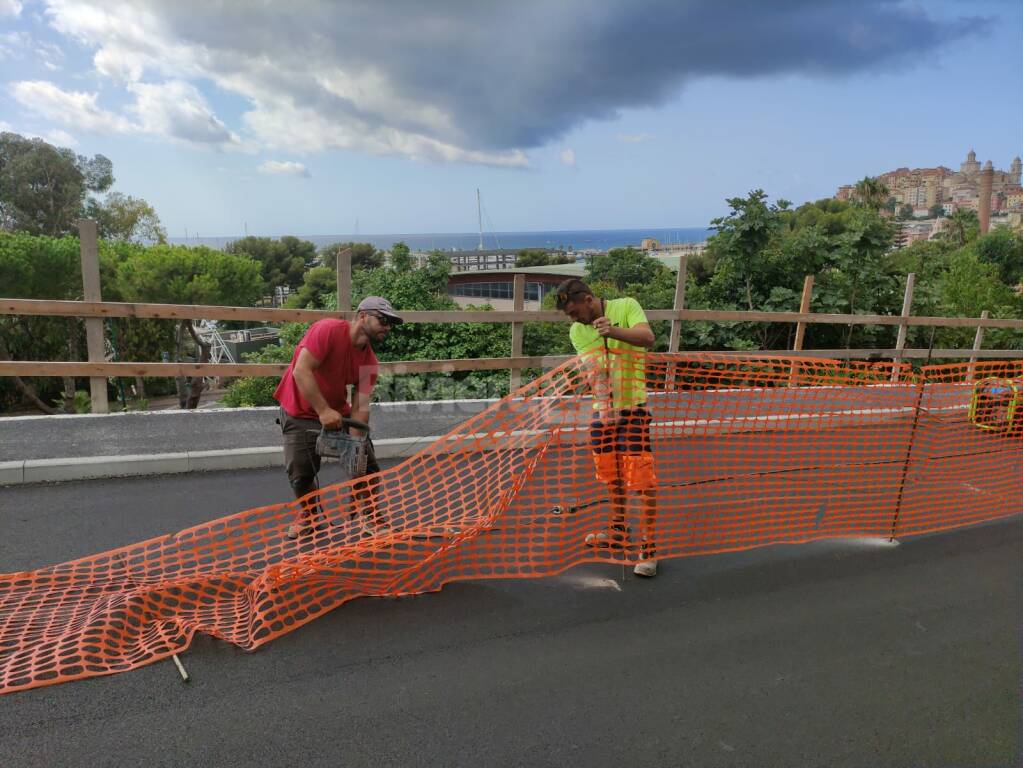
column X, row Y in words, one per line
column 990, row 395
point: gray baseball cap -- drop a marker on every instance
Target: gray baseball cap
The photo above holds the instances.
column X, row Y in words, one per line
column 381, row 305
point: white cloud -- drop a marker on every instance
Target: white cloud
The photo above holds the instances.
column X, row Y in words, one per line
column 10, row 7
column 72, row 108
column 12, row 44
column 177, row 110
column 633, row 138
column 6, row 127
column 50, row 55
column 60, row 138
column 284, row 166
column 568, row 157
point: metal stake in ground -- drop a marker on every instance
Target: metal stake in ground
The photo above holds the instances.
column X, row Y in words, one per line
column 912, row 438
column 181, row 667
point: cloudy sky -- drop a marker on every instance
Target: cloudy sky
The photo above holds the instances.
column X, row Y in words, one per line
column 316, row 117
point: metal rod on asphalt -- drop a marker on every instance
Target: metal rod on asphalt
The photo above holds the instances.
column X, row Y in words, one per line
column 180, row 666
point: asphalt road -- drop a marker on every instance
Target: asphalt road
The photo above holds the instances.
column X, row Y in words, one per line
column 826, row 654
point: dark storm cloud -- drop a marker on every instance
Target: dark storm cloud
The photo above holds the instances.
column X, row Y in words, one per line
column 486, row 76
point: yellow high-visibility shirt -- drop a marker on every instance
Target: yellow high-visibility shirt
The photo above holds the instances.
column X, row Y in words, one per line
column 628, row 372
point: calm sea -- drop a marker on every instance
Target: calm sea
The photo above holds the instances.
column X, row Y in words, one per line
column 578, row 239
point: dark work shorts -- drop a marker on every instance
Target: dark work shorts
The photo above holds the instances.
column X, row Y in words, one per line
column 629, row 432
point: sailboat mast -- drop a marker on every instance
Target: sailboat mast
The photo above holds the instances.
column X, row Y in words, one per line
column 479, row 217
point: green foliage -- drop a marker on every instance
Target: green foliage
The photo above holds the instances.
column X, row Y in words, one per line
column 741, row 244
column 401, row 257
column 623, row 267
column 282, row 262
column 176, row 274
column 43, row 188
column 1003, row 248
column 37, row 267
column 871, row 193
column 121, row 217
column 538, row 257
column 961, row 227
column 82, row 402
column 363, row 255
column 316, row 285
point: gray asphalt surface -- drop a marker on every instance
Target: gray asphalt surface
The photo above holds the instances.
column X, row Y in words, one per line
column 826, row 654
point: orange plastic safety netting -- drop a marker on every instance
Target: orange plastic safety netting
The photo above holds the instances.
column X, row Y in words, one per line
column 701, row 454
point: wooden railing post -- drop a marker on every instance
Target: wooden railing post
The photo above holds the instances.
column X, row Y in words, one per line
column 675, row 337
column 518, row 305
column 978, row 340
column 344, row 280
column 95, row 343
column 797, row 342
column 680, row 303
column 900, row 342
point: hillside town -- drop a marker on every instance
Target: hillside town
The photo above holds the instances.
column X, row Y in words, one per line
column 921, row 198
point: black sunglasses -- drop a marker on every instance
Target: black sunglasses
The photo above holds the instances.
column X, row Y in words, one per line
column 384, row 319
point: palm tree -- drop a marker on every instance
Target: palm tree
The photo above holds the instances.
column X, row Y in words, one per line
column 961, row 227
column 871, row 193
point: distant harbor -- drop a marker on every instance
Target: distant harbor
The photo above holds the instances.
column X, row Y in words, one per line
column 566, row 240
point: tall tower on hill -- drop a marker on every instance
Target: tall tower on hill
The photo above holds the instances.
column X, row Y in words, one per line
column 1016, row 171
column 970, row 165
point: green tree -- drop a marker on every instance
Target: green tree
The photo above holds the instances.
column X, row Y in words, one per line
column 122, row 217
column 38, row 268
column 318, row 283
column 743, row 237
column 623, row 267
column 936, row 211
column 961, row 227
column 538, row 257
column 871, row 193
column 43, row 188
column 1003, row 248
column 282, row 262
column 905, row 212
column 401, row 257
column 967, row 288
column 181, row 275
column 363, row 255
column 856, row 278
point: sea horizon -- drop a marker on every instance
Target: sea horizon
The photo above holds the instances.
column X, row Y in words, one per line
column 568, row 239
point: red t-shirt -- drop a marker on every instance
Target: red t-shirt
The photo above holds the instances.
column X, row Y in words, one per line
column 341, row 364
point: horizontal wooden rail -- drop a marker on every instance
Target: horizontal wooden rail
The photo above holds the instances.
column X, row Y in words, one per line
column 46, row 307
column 30, row 368
column 41, row 307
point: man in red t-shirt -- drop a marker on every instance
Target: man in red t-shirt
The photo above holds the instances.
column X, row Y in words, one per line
column 313, row 393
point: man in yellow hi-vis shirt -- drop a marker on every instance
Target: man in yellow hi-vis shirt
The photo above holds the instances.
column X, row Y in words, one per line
column 620, row 431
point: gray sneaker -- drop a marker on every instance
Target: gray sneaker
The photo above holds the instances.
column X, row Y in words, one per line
column 646, row 568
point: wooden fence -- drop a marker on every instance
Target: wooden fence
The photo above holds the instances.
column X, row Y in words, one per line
column 94, row 311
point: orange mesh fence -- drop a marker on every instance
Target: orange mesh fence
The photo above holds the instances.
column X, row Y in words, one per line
column 700, row 454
